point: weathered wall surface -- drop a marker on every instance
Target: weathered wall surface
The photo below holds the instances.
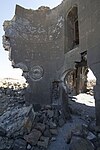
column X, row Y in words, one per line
column 37, row 47
column 43, row 43
column 90, row 40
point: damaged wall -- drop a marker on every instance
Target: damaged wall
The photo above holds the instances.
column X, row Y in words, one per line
column 47, row 43
column 37, row 43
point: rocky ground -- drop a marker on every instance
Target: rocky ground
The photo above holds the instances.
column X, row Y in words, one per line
column 28, row 127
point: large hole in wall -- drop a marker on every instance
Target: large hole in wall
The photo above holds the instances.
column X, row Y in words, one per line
column 80, row 81
column 8, row 73
column 76, row 78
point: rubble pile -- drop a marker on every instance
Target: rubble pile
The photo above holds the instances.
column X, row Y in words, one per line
column 34, row 127
column 84, row 137
column 21, row 127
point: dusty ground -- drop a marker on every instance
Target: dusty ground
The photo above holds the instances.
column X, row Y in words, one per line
column 83, row 110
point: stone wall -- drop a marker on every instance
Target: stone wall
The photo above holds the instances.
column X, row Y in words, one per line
column 46, row 43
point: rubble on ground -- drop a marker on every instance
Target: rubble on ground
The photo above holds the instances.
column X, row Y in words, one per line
column 20, row 126
column 30, row 127
column 83, row 137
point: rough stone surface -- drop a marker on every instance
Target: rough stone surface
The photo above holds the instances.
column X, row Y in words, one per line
column 33, row 137
column 81, row 144
column 40, row 126
column 91, row 136
column 61, row 121
column 54, row 131
column 47, row 133
column 2, row 132
column 44, row 141
column 19, row 144
column 5, row 143
column 20, row 119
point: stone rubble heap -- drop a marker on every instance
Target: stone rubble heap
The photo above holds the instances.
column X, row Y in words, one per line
column 84, row 137
column 21, row 128
column 32, row 127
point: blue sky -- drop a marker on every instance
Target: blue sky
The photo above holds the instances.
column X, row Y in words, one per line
column 7, row 9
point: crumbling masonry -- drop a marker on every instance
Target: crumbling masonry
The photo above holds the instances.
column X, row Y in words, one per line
column 54, row 47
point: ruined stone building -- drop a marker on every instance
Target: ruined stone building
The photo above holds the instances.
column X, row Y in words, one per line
column 53, row 47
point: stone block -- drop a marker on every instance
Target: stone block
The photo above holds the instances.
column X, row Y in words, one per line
column 33, row 137
column 16, row 121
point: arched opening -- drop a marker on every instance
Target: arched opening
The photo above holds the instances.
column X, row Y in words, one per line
column 91, row 82
column 76, row 78
column 71, row 30
column 80, row 82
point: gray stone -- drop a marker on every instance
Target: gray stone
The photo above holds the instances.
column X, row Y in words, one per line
column 2, row 131
column 33, row 137
column 53, row 139
column 52, row 125
column 17, row 120
column 44, row 141
column 50, row 113
column 97, row 129
column 61, row 122
column 40, row 126
column 54, row 131
column 56, row 115
column 47, row 133
column 29, row 146
column 80, row 144
column 5, row 143
column 78, row 131
column 19, row 144
column 91, row 136
column 35, row 148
